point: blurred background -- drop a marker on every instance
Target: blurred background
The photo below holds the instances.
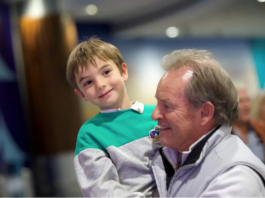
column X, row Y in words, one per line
column 40, row 114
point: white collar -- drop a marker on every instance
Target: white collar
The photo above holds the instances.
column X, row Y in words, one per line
column 136, row 106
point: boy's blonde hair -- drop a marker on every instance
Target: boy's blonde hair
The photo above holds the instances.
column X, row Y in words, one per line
column 86, row 53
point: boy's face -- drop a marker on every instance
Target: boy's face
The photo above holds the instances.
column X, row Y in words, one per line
column 102, row 84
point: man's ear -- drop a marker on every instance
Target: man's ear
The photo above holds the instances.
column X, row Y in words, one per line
column 124, row 71
column 80, row 94
column 207, row 113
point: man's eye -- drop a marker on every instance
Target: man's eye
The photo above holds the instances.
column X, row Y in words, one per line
column 106, row 72
column 88, row 83
column 165, row 106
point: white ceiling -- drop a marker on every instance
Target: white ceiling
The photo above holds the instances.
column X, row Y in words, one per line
column 194, row 18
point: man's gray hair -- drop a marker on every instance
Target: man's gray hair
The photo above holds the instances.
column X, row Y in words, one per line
column 209, row 83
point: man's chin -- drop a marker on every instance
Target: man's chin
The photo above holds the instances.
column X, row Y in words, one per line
column 163, row 141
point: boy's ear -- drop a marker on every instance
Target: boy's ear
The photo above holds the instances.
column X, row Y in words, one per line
column 80, row 94
column 207, row 112
column 124, row 72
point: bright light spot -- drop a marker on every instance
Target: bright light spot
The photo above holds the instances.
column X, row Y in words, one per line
column 35, row 8
column 261, row 1
column 91, row 9
column 172, row 32
column 187, row 75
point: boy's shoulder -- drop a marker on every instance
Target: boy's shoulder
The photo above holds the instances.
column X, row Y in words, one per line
column 148, row 107
column 102, row 130
column 100, row 118
column 90, row 121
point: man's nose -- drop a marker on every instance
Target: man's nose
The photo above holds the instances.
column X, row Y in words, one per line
column 156, row 115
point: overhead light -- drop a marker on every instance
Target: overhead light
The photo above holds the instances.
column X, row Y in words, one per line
column 35, row 8
column 91, row 9
column 172, row 32
column 261, row 1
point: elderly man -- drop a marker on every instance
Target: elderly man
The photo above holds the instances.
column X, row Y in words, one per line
column 197, row 104
column 251, row 132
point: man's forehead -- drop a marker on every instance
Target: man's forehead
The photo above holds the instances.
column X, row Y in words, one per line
column 187, row 75
column 174, row 79
column 163, row 96
column 167, row 90
column 184, row 73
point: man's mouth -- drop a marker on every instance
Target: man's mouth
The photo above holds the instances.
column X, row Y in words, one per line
column 105, row 94
column 163, row 127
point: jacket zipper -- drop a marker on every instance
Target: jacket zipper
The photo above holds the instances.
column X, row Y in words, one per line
column 175, row 169
column 175, row 175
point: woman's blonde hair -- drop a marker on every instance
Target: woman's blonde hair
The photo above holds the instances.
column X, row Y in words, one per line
column 256, row 103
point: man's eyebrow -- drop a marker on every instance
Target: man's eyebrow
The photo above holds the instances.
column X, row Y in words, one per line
column 166, row 100
column 163, row 99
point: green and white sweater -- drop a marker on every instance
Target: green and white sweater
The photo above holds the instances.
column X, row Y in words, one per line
column 114, row 153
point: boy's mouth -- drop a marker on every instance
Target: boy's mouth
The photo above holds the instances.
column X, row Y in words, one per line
column 105, row 94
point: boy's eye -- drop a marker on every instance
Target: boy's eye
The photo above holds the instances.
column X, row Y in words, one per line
column 106, row 72
column 88, row 83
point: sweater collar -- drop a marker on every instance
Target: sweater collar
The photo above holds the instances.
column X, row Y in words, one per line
column 136, row 106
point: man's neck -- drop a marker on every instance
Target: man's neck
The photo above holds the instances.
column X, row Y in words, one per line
column 212, row 125
column 201, row 132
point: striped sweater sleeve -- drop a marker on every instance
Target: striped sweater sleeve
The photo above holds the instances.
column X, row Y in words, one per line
column 98, row 177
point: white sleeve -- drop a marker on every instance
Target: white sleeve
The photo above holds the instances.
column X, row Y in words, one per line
column 98, row 177
column 239, row 181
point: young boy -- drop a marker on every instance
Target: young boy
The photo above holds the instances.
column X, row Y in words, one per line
column 113, row 150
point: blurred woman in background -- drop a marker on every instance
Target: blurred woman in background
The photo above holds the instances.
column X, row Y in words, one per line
column 258, row 107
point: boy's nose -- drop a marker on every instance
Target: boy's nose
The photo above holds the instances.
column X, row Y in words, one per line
column 100, row 83
column 156, row 115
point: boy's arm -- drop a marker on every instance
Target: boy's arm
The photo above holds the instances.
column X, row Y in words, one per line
column 98, row 177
